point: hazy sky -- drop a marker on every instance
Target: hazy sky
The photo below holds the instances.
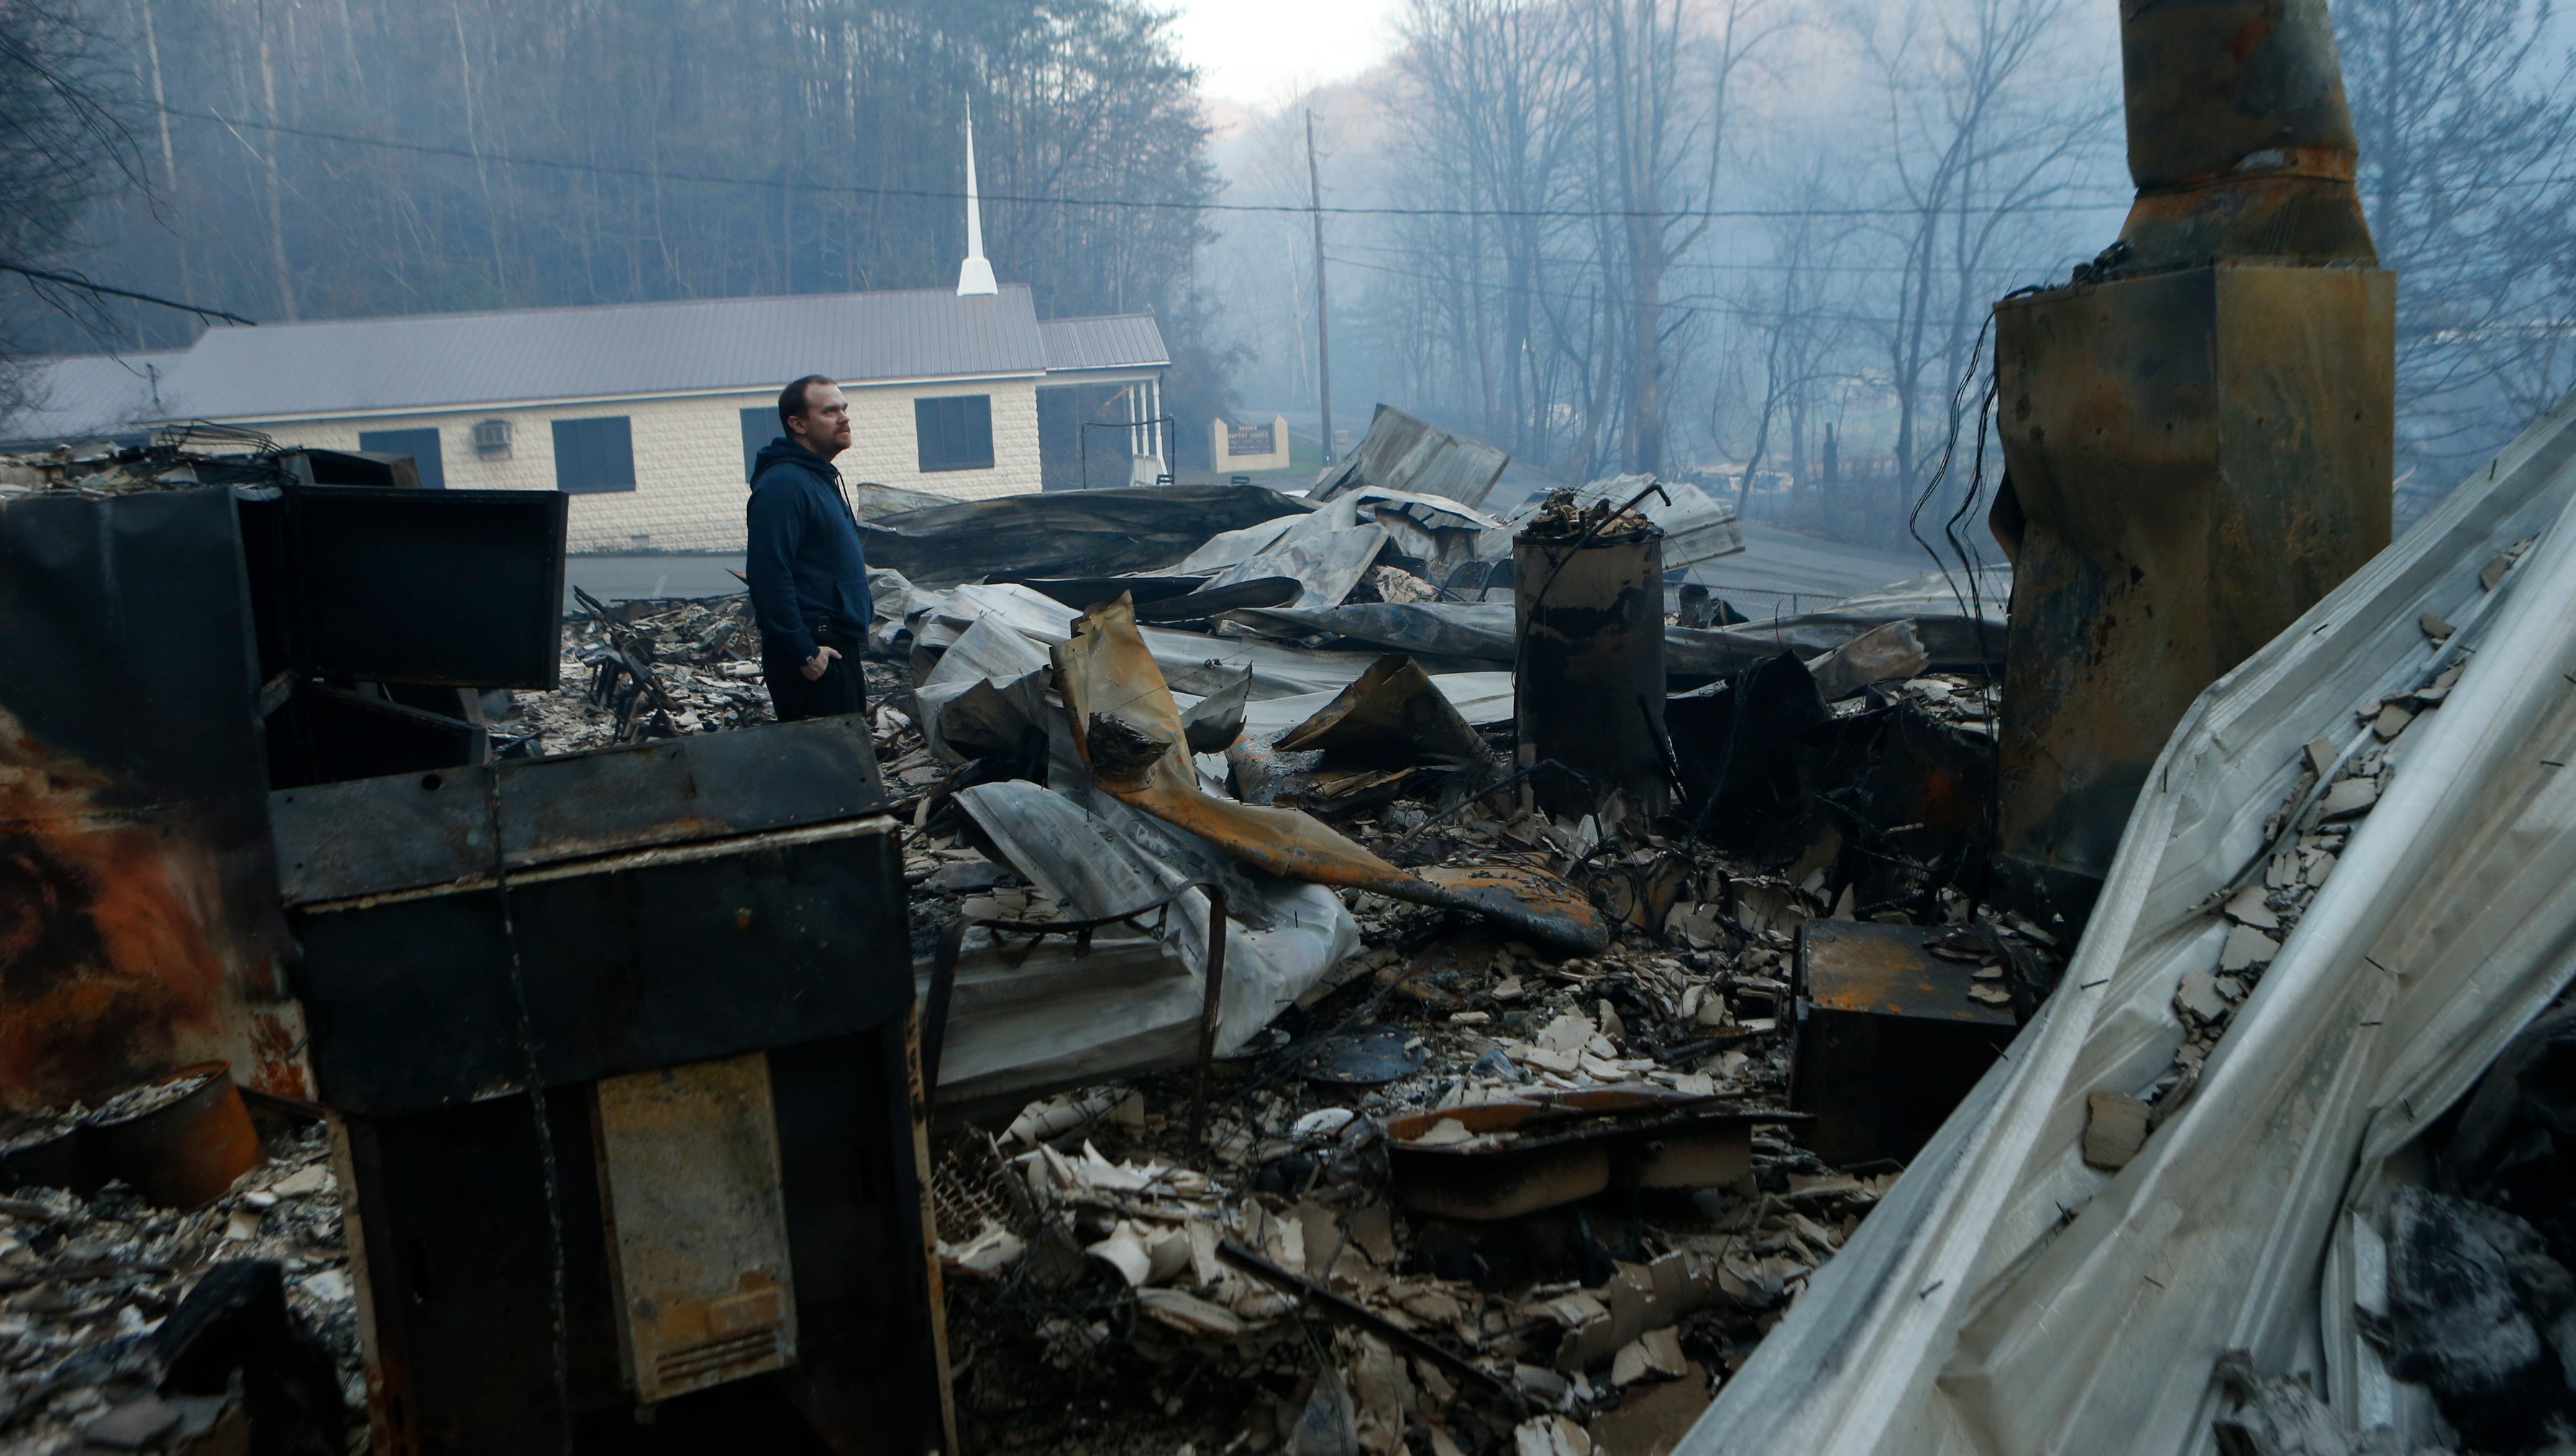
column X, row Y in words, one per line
column 1256, row 52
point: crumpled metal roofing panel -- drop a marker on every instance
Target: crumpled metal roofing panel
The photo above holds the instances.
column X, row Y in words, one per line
column 2007, row 1298
column 434, row 361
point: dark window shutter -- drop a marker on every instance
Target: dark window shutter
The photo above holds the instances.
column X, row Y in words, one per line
column 420, row 445
column 595, row 454
column 954, row 432
column 759, row 427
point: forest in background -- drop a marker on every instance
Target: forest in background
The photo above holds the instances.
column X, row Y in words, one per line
column 1685, row 236
column 291, row 159
column 1690, row 235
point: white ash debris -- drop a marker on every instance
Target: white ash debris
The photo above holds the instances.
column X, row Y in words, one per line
column 77, row 1273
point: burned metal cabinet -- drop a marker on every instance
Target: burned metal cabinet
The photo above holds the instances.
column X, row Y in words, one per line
column 1888, row 1039
column 621, row 1047
column 2197, row 429
column 425, row 591
column 139, row 929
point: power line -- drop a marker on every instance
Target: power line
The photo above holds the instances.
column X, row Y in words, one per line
column 74, row 280
column 1676, row 307
column 938, row 194
column 1679, row 266
column 1289, row 209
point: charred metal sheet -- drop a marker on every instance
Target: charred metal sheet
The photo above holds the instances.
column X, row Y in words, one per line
column 1516, row 1156
column 183, row 1153
column 2195, row 458
column 325, row 734
column 457, row 587
column 1215, row 722
column 633, row 961
column 1889, row 1038
column 402, row 832
column 1128, row 732
column 688, row 1160
column 1392, row 708
column 1400, row 452
column 1588, row 677
column 139, row 929
column 1065, row 533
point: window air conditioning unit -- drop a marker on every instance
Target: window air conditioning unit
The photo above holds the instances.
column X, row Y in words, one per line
column 492, row 437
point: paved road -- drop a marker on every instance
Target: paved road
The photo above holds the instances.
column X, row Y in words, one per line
column 616, row 578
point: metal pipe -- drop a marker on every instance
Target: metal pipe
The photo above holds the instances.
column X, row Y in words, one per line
column 2197, row 428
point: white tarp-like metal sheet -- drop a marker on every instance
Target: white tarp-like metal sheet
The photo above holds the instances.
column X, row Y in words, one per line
column 2005, row 1297
column 1274, row 950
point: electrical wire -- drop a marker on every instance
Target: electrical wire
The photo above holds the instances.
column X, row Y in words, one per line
column 944, row 194
column 1296, row 209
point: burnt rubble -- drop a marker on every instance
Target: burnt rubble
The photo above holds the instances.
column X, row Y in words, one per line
column 1249, row 1263
column 1365, row 1001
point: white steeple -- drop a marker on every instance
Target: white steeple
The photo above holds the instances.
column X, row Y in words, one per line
column 975, row 275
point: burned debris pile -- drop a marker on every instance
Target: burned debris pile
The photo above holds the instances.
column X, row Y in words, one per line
column 1376, row 972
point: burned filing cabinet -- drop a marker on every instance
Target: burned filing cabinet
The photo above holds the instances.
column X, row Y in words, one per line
column 621, row 1047
column 1890, row 1037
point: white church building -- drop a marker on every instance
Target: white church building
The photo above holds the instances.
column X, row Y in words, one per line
column 650, row 412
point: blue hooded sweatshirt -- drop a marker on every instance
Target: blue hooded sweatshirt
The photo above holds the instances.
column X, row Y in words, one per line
column 806, row 565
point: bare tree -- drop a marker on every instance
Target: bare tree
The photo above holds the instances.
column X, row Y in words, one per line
column 1662, row 80
column 60, row 138
column 1495, row 130
column 1800, row 329
column 2467, row 125
column 1978, row 140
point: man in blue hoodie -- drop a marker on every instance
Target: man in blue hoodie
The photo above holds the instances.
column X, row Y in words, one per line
column 808, row 572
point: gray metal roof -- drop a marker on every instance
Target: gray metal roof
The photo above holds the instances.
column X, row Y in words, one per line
column 1108, row 341
column 430, row 361
column 87, row 394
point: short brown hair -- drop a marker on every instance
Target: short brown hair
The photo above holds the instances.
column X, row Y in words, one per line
column 793, row 401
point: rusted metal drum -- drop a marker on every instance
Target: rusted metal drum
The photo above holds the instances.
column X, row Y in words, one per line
column 185, row 1152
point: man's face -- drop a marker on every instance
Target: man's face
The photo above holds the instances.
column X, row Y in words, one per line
column 824, row 428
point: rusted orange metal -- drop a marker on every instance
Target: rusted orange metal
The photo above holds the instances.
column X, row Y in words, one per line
column 185, row 1153
column 2240, row 141
column 139, row 925
column 2197, row 433
column 1128, row 730
column 1888, row 1038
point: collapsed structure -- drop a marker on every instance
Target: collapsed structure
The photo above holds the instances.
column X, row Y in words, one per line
column 1382, row 969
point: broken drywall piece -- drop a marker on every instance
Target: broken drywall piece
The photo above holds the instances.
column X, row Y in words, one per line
column 2247, row 907
column 2246, row 948
column 2348, row 798
column 2198, row 995
column 2115, row 1127
column 1550, row 1435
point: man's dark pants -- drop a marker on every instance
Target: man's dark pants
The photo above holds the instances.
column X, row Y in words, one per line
column 842, row 688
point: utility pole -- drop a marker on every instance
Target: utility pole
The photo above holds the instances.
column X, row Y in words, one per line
column 1323, row 326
